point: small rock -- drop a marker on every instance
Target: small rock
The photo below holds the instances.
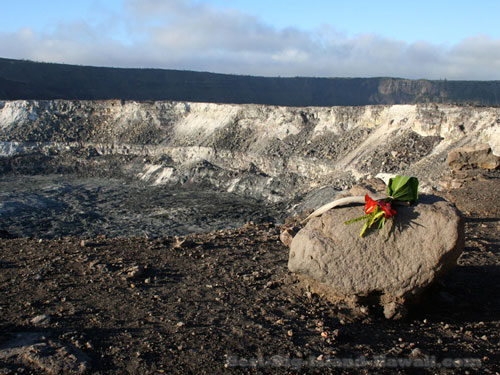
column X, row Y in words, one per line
column 182, row 243
column 393, row 310
column 287, row 234
column 40, row 319
column 134, row 272
column 271, row 284
column 417, row 353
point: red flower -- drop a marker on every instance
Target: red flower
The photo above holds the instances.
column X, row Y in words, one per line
column 386, row 207
column 371, row 205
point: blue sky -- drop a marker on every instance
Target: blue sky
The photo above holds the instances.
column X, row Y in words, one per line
column 426, row 39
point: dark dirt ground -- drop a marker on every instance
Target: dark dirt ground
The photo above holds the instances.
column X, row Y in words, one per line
column 223, row 299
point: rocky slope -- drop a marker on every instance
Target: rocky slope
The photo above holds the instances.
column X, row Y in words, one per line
column 278, row 154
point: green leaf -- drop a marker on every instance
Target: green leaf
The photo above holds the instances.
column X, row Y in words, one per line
column 382, row 222
column 403, row 188
column 375, row 217
column 363, row 230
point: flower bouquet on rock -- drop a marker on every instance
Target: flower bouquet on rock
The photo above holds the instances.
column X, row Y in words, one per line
column 377, row 212
column 400, row 189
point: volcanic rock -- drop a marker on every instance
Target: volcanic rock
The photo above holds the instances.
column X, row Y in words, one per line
column 46, row 355
column 287, row 234
column 390, row 267
column 480, row 156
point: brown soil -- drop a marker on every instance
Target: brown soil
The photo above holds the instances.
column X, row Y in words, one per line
column 218, row 302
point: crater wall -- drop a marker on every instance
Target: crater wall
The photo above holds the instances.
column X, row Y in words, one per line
column 267, row 152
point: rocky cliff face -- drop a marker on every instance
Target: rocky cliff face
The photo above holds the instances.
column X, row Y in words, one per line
column 273, row 153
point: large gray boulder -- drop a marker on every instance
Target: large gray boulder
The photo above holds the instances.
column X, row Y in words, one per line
column 390, row 267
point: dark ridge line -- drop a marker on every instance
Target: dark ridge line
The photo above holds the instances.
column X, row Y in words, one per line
column 28, row 80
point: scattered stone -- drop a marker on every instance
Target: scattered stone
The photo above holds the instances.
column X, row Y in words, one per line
column 103, row 268
column 183, row 243
column 287, row 234
column 40, row 319
column 272, row 284
column 133, row 272
column 390, row 267
column 394, row 310
column 417, row 353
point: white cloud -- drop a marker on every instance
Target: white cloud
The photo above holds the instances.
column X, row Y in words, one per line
column 184, row 34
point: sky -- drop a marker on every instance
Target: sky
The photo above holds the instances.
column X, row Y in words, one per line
column 439, row 39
